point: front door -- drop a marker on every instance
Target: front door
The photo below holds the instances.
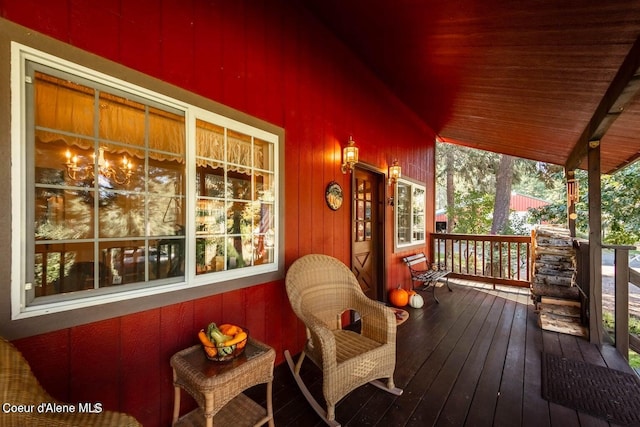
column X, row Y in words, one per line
column 367, row 248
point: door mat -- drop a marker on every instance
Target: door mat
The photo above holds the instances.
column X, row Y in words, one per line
column 401, row 315
column 602, row 392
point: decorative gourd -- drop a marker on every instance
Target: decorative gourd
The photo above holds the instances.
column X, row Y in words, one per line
column 416, row 301
column 399, row 297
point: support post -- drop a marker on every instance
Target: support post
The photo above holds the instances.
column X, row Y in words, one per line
column 595, row 245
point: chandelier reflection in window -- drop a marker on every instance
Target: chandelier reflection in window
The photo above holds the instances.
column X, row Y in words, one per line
column 120, row 174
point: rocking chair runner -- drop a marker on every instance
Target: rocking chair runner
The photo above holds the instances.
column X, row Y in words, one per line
column 320, row 289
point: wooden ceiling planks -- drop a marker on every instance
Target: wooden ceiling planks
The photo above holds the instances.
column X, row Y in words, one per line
column 522, row 78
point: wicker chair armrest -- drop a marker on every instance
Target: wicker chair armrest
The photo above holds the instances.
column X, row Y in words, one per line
column 322, row 338
column 378, row 322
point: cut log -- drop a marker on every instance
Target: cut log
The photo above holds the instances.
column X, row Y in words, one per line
column 551, row 271
column 562, row 324
column 554, row 280
column 549, row 241
column 549, row 231
column 548, row 258
column 555, row 265
column 564, row 292
column 559, row 301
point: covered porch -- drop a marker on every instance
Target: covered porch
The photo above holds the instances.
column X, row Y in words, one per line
column 475, row 359
column 534, row 80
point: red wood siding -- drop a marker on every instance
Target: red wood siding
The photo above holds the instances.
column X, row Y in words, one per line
column 265, row 58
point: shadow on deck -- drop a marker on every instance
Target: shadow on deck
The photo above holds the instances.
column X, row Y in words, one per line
column 472, row 360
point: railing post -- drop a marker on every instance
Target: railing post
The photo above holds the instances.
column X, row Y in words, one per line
column 622, row 300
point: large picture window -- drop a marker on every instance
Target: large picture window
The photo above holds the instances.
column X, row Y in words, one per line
column 105, row 167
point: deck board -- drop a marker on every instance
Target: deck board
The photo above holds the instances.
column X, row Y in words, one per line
column 472, row 360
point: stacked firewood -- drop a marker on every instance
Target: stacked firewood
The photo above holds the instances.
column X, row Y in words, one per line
column 554, row 268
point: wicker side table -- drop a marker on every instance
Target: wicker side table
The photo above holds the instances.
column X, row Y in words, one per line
column 217, row 386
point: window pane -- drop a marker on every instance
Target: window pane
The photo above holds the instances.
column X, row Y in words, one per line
column 65, row 267
column 166, row 216
column 211, row 217
column 122, row 120
column 263, row 155
column 264, row 187
column 133, row 261
column 239, row 185
column 238, row 149
column 209, row 140
column 210, row 255
column 63, row 214
column 166, row 131
column 51, row 158
column 120, row 167
column 239, row 218
column 210, row 180
column 167, row 176
column 63, row 105
column 121, row 214
column 239, row 252
column 126, row 259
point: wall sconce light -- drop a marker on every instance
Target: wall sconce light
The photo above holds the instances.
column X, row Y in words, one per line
column 395, row 172
column 349, row 156
column 78, row 172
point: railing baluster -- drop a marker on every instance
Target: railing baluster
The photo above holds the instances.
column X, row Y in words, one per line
column 484, row 264
column 466, row 256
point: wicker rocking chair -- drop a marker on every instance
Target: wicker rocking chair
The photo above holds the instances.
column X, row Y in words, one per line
column 320, row 289
column 18, row 386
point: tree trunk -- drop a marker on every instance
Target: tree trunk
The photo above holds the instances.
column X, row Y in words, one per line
column 450, row 191
column 504, row 179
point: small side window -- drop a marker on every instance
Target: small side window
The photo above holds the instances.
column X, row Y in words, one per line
column 410, row 200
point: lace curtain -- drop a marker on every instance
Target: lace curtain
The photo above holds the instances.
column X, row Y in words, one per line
column 68, row 108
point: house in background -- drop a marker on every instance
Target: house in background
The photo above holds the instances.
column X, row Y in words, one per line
column 519, row 207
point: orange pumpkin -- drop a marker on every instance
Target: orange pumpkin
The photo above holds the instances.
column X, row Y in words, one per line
column 399, row 297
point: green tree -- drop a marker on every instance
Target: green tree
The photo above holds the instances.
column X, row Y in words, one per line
column 472, row 213
column 620, row 206
column 471, row 173
column 502, row 200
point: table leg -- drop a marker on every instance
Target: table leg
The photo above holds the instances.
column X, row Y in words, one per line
column 208, row 409
column 176, row 399
column 270, row 404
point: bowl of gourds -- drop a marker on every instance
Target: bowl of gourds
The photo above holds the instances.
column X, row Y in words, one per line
column 223, row 342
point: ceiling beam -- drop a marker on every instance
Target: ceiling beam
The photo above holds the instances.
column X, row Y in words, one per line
column 621, row 91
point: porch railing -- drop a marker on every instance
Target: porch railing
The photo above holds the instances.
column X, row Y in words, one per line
column 507, row 260
column 494, row 259
column 624, row 278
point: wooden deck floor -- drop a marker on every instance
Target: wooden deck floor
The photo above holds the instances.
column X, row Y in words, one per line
column 472, row 360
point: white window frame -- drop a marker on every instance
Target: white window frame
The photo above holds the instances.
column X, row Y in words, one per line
column 20, row 193
column 412, row 242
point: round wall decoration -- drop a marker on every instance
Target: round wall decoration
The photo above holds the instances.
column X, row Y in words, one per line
column 333, row 195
